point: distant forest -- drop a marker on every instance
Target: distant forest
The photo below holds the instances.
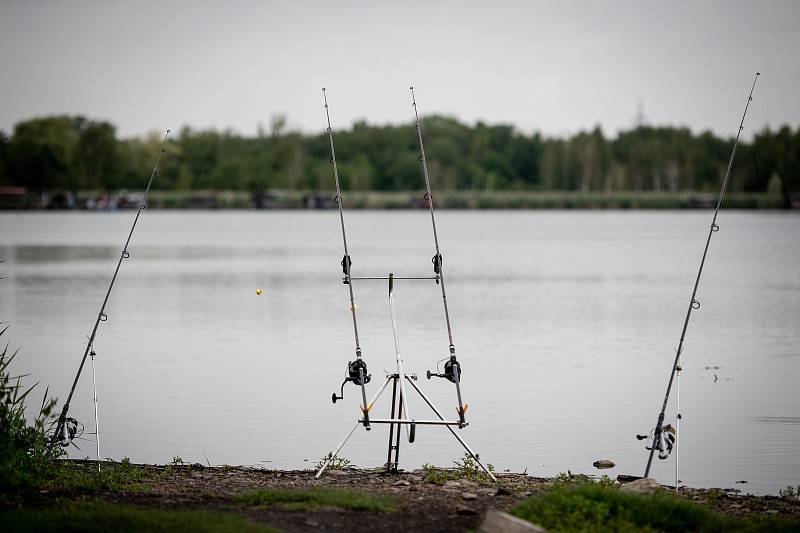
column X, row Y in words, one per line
column 75, row 153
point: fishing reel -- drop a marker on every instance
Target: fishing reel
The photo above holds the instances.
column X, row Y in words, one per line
column 355, row 369
column 452, row 371
column 663, row 441
column 66, row 432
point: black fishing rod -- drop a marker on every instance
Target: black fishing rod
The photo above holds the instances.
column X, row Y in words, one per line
column 452, row 368
column 66, row 428
column 658, row 436
column 356, row 370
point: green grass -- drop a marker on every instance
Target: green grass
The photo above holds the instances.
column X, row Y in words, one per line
column 584, row 507
column 98, row 516
column 122, row 475
column 309, row 499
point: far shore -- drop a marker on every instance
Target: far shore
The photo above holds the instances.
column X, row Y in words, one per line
column 20, row 198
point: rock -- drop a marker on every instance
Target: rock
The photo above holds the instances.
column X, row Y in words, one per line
column 502, row 491
column 487, row 491
column 401, row 483
column 469, row 496
column 603, row 463
column 465, row 510
column 413, row 488
column 625, row 478
column 311, row 523
column 500, row 522
column 646, row 485
column 451, row 484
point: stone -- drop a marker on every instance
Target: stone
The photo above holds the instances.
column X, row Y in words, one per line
column 469, row 496
column 603, row 463
column 502, row 491
column 500, row 522
column 465, row 510
column 451, row 484
column 646, row 485
column 311, row 523
column 401, row 483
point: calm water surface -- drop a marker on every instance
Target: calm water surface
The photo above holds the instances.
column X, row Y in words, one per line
column 565, row 323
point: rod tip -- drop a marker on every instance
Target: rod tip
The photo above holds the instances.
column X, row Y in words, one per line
column 169, row 131
column 412, row 87
column 758, row 74
column 323, row 89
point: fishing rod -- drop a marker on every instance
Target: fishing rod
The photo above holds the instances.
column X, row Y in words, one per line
column 357, row 369
column 660, row 441
column 66, row 427
column 452, row 368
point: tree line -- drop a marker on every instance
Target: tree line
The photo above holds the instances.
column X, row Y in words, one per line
column 76, row 153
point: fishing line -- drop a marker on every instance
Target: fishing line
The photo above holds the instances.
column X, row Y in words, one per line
column 66, row 428
column 659, row 441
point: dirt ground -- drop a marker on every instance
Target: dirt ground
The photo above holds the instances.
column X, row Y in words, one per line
column 457, row 505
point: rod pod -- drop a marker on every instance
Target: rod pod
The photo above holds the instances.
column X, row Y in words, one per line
column 694, row 304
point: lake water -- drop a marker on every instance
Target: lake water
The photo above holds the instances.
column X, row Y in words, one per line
column 565, row 323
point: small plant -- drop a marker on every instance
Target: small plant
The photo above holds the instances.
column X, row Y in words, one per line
column 438, row 476
column 337, row 463
column 26, row 459
column 465, row 468
column 606, row 481
column 790, row 493
column 714, row 495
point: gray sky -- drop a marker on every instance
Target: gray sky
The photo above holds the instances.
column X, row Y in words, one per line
column 556, row 67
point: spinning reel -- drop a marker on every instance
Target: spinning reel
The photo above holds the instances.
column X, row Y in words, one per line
column 67, row 431
column 663, row 441
column 452, row 371
column 355, row 371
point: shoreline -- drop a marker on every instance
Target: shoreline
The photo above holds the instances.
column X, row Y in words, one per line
column 428, row 499
column 17, row 198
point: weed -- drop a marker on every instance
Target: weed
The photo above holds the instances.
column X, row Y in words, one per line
column 714, row 495
column 790, row 493
column 465, row 468
column 26, row 460
column 337, row 463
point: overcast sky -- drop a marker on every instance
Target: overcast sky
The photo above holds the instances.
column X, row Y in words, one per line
column 556, row 67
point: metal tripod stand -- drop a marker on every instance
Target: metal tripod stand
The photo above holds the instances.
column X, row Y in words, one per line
column 400, row 415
